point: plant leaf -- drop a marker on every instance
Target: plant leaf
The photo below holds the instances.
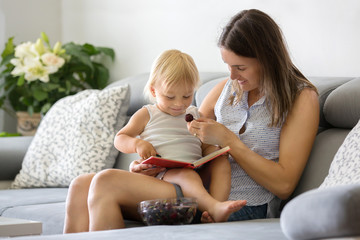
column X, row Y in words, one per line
column 6, row 61
column 40, row 95
column 21, row 80
column 90, row 49
column 107, row 51
column 45, row 38
column 76, row 51
column 101, row 76
column 45, row 108
column 9, row 48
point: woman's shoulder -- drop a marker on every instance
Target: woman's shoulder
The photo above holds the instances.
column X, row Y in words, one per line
column 307, row 94
column 219, row 86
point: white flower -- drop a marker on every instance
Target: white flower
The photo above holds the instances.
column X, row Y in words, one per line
column 35, row 61
column 25, row 50
column 34, row 70
column 50, row 59
column 39, row 47
column 19, row 67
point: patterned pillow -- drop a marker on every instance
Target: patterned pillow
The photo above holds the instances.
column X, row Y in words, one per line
column 345, row 168
column 75, row 137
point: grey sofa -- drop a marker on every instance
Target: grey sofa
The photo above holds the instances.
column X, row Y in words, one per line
column 48, row 204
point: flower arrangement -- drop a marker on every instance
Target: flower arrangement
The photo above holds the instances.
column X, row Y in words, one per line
column 36, row 75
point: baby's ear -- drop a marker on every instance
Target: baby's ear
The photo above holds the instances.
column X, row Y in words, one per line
column 152, row 91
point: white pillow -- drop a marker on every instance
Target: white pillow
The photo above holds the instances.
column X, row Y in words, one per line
column 345, row 168
column 75, row 137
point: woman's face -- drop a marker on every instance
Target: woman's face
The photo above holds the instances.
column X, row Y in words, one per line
column 244, row 70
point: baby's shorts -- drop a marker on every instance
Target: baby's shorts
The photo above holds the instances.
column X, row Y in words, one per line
column 178, row 190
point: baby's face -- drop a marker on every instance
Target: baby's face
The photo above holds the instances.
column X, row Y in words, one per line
column 173, row 100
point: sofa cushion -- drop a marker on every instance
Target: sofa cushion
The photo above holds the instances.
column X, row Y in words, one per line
column 254, row 229
column 323, row 213
column 76, row 136
column 321, row 156
column 12, row 198
column 345, row 168
column 325, row 85
column 342, row 106
column 51, row 215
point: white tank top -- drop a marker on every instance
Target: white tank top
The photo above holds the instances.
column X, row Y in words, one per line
column 169, row 135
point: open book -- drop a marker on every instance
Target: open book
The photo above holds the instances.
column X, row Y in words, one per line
column 171, row 163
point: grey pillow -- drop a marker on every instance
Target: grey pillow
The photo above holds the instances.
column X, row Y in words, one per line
column 342, row 107
column 323, row 213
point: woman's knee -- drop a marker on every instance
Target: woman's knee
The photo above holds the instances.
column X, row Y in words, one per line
column 105, row 183
column 108, row 178
column 81, row 183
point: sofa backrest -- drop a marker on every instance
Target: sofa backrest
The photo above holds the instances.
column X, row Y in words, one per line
column 138, row 82
column 340, row 112
column 338, row 109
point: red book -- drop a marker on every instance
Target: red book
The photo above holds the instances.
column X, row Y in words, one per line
column 171, row 163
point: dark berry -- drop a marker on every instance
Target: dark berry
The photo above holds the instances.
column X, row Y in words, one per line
column 189, row 117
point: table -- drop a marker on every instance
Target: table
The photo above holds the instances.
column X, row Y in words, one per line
column 12, row 227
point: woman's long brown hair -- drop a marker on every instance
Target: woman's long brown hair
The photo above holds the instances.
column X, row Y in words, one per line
column 254, row 34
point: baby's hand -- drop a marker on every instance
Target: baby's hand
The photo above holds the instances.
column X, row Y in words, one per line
column 145, row 149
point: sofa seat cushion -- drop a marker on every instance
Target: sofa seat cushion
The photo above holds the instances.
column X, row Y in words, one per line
column 51, row 215
column 12, row 198
column 75, row 137
column 253, row 229
column 323, row 213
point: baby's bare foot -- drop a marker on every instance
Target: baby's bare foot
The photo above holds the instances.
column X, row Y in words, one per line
column 206, row 218
column 223, row 210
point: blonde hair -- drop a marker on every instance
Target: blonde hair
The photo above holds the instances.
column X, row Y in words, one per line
column 171, row 68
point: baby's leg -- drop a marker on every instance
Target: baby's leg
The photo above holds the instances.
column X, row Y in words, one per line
column 192, row 186
column 220, row 178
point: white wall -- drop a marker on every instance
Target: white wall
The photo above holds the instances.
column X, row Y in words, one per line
column 323, row 35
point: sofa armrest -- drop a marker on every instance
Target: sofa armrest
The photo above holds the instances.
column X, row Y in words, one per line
column 12, row 151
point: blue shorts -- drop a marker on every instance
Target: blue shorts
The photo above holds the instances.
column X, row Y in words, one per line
column 249, row 212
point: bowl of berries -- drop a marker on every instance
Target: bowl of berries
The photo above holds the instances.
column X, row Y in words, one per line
column 168, row 211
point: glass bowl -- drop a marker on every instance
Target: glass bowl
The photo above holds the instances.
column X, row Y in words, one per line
column 169, row 211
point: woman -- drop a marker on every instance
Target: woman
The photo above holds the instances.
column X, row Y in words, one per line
column 267, row 112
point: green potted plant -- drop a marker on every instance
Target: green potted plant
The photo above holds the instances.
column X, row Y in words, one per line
column 36, row 75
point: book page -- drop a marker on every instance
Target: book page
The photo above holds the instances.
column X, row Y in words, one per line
column 211, row 156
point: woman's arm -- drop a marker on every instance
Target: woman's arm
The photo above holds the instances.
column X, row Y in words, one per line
column 296, row 139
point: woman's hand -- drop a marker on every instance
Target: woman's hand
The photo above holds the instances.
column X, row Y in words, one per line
column 147, row 169
column 211, row 132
